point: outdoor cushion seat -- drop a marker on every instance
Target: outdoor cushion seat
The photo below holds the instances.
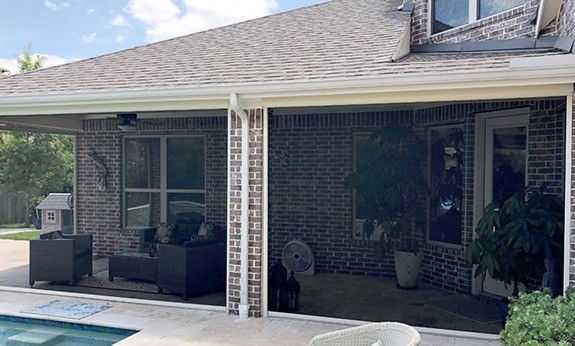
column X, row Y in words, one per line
column 187, row 225
column 384, row 333
column 60, row 257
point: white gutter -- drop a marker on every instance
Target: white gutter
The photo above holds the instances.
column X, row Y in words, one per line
column 244, row 240
column 522, row 72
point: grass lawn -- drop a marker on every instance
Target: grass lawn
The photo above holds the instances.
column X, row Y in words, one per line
column 12, row 225
column 21, row 235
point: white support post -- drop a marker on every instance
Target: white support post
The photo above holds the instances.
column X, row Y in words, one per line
column 567, row 189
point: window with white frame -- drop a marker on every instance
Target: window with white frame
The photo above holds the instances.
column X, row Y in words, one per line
column 164, row 176
column 51, row 216
column 448, row 14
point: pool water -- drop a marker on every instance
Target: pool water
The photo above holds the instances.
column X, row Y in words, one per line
column 20, row 331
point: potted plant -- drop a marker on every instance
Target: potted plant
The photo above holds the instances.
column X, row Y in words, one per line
column 391, row 183
column 33, row 212
column 521, row 240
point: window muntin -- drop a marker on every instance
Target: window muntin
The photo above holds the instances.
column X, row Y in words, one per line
column 448, row 14
column 163, row 176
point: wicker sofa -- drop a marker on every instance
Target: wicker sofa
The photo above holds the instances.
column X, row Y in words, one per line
column 193, row 267
column 188, row 263
column 60, row 257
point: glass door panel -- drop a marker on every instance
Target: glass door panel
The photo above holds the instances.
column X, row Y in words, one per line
column 505, row 171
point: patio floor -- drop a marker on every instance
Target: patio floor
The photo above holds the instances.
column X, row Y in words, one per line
column 379, row 301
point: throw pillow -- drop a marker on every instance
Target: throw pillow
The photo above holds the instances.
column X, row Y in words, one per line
column 163, row 233
column 54, row 235
column 207, row 230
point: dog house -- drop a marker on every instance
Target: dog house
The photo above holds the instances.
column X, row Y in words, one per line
column 56, row 211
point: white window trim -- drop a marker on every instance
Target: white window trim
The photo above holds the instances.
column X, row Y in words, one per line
column 163, row 190
column 473, row 16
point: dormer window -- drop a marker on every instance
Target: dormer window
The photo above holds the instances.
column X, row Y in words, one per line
column 448, row 14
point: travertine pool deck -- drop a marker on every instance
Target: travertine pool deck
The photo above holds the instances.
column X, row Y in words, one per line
column 168, row 323
column 181, row 324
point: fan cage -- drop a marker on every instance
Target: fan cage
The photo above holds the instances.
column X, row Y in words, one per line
column 297, row 256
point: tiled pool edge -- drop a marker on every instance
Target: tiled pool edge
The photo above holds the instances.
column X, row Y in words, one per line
column 65, row 324
column 212, row 308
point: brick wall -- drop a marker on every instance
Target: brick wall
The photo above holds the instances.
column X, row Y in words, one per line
column 567, row 19
column 514, row 23
column 310, row 155
column 100, row 213
column 545, row 165
column 256, row 119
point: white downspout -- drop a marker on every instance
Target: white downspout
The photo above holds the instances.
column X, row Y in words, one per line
column 244, row 240
column 568, row 187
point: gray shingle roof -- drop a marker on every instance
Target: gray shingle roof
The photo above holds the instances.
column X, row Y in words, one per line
column 55, row 201
column 335, row 40
column 340, row 38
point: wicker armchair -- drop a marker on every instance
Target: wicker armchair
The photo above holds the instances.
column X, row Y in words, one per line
column 67, row 258
column 384, row 333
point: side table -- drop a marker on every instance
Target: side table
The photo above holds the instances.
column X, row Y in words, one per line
column 133, row 265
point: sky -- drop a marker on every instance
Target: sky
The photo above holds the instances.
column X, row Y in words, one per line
column 70, row 30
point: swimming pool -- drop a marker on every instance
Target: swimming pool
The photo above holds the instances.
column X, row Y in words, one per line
column 31, row 331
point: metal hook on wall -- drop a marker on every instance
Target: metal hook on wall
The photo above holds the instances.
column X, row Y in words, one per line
column 100, row 168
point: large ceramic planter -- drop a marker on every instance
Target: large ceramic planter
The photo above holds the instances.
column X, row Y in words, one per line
column 407, row 267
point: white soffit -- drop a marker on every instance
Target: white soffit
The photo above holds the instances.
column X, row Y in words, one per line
column 548, row 12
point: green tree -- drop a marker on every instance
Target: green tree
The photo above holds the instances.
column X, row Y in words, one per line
column 34, row 164
column 29, row 62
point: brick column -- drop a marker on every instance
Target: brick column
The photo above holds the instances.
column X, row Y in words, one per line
column 255, row 211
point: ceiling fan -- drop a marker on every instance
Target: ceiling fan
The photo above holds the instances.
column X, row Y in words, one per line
column 127, row 121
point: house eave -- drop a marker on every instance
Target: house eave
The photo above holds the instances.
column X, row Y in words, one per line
column 558, row 75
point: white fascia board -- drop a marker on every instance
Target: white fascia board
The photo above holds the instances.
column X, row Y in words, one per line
column 217, row 97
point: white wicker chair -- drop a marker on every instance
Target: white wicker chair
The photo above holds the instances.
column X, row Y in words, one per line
column 390, row 334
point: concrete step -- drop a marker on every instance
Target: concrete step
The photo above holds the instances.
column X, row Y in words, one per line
column 32, row 337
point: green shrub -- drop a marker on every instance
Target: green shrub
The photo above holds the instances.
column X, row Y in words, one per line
column 538, row 319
